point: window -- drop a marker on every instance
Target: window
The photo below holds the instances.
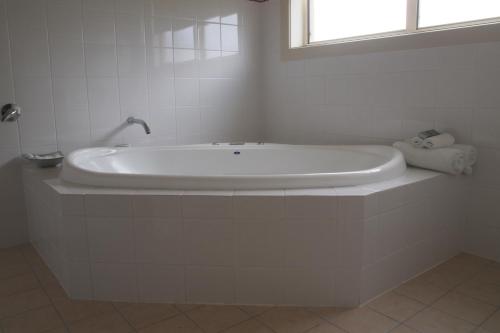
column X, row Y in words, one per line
column 410, row 22
column 341, row 19
column 442, row 12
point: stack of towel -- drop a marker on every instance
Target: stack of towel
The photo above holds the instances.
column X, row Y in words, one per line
column 438, row 151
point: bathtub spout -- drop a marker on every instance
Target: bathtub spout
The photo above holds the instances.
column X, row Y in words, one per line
column 133, row 120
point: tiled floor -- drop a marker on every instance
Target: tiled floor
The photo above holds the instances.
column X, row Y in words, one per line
column 461, row 295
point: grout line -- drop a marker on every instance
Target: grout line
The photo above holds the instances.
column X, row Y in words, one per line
column 85, row 69
column 11, row 71
column 123, row 316
column 52, row 304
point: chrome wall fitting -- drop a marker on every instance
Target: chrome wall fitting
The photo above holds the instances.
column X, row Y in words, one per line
column 10, row 112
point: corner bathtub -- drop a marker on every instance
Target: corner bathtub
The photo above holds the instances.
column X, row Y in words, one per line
column 233, row 167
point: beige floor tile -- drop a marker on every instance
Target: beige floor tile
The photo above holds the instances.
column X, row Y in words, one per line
column 216, row 318
column 72, row 311
column 11, row 256
column 141, row 315
column 446, row 277
column 403, row 329
column 254, row 310
column 468, row 261
column 328, row 313
column 396, row 306
column 487, row 292
column 492, row 325
column 108, row 322
column 55, row 292
column 489, row 275
column 421, row 291
column 289, row 320
column 34, row 321
column 465, row 307
column 18, row 303
column 33, row 258
column 14, row 269
column 18, row 284
column 249, row 326
column 434, row 321
column 187, row 307
column 326, row 328
column 45, row 276
column 364, row 320
column 177, row 324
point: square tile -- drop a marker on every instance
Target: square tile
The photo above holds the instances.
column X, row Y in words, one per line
column 326, row 328
column 217, row 318
column 289, row 320
column 18, row 303
column 178, row 324
column 34, row 321
column 493, row 323
column 363, row 320
column 421, row 291
column 396, row 306
column 435, row 321
column 465, row 307
column 481, row 290
column 161, row 283
column 140, row 315
column 109, row 322
column 72, row 310
column 210, row 284
column 250, row 326
column 18, row 284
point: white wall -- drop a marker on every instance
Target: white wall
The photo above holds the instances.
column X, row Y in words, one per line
column 79, row 68
column 382, row 97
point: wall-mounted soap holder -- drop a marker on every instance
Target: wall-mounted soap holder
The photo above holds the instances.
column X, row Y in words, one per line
column 45, row 160
column 10, row 112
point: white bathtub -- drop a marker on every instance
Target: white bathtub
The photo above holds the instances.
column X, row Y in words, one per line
column 232, row 167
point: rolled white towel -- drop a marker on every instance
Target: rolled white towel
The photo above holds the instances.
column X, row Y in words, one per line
column 439, row 141
column 448, row 160
column 416, row 142
column 470, row 153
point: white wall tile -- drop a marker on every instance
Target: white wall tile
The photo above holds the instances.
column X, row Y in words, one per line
column 116, row 282
column 209, row 35
column 209, row 242
column 111, row 240
column 160, row 32
column 230, row 38
column 258, row 285
column 161, row 283
column 205, row 206
column 259, row 243
column 99, row 28
column 210, row 285
column 130, row 30
column 159, row 241
column 185, row 34
column 100, row 60
column 67, row 57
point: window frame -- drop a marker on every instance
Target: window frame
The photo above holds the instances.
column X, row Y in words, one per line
column 296, row 45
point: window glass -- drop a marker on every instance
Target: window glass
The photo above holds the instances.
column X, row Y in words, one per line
column 440, row 12
column 340, row 19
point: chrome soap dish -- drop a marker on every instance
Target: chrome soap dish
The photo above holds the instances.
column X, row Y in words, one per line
column 45, row 160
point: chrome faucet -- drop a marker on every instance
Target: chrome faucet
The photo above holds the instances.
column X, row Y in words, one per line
column 133, row 120
column 10, row 112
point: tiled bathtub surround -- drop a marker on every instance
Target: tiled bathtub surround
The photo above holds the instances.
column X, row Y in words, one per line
column 383, row 97
column 79, row 68
column 295, row 247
